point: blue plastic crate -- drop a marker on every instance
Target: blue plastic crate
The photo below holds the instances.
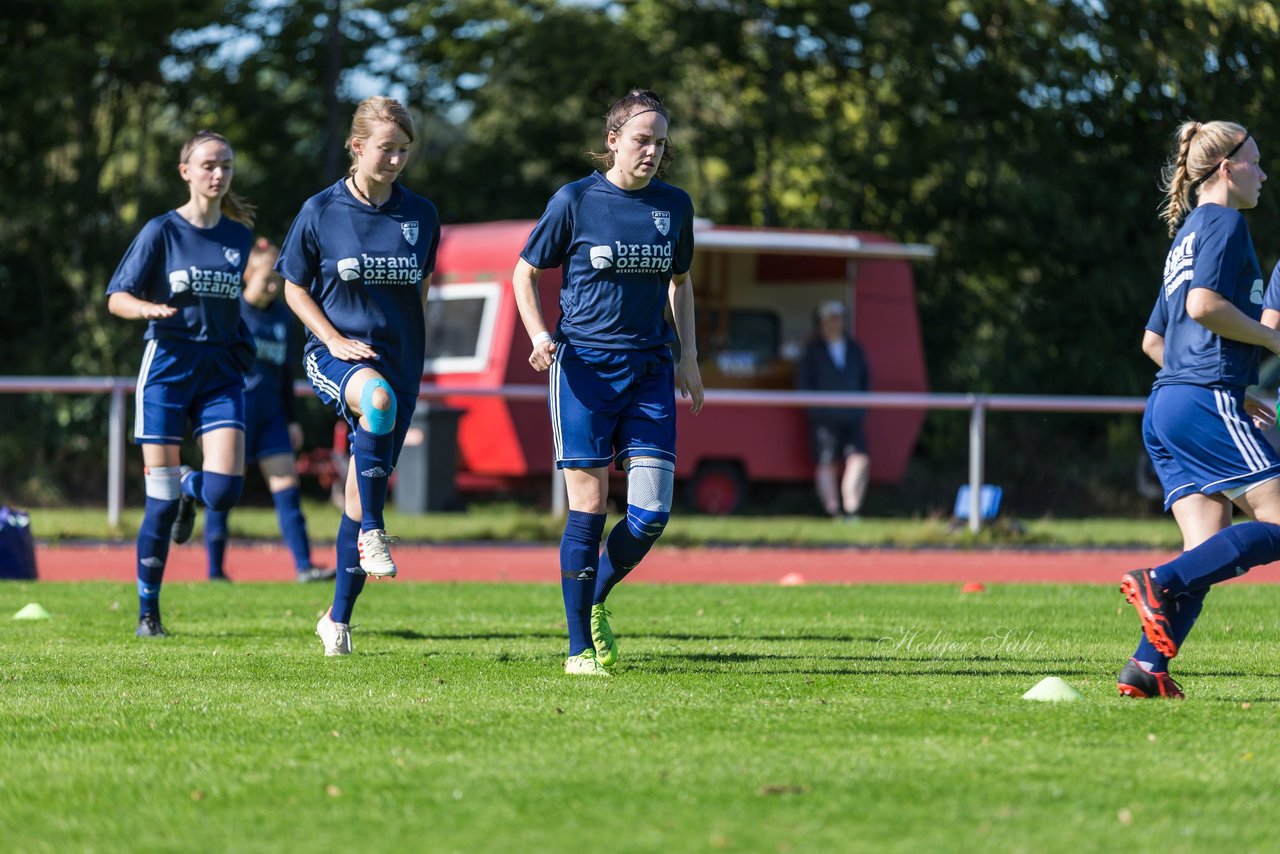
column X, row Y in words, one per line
column 988, row 501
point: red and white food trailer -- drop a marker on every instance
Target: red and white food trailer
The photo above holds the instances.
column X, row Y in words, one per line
column 756, row 291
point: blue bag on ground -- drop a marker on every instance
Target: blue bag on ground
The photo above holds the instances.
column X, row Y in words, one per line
column 17, row 547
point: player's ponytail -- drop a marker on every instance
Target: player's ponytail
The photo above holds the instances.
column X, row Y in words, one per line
column 625, row 109
column 1201, row 148
column 235, row 207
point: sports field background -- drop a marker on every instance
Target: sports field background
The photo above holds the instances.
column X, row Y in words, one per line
column 743, row 717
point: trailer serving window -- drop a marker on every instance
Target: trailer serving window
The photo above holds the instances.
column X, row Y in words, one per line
column 460, row 319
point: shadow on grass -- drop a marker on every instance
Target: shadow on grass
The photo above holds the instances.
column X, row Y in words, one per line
column 877, row 665
column 689, row 636
column 412, row 634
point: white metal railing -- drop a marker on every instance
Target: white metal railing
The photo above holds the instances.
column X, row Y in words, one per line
column 977, row 404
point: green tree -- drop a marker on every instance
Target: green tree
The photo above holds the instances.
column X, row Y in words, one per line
column 84, row 102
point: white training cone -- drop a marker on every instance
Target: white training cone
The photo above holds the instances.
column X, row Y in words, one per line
column 1052, row 689
column 32, row 612
column 791, row 579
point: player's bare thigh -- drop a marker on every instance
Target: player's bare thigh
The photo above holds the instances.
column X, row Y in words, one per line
column 587, row 489
column 1200, row 516
column 1262, row 503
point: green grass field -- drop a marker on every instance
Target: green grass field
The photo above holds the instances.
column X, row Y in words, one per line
column 743, row 718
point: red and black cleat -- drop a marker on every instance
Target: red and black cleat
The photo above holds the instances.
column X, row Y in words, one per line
column 1150, row 602
column 1140, row 684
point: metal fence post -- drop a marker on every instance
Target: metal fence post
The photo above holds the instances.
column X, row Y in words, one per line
column 115, row 457
column 977, row 441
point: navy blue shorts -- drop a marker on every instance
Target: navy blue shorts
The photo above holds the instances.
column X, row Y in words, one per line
column 1201, row 440
column 833, row 441
column 329, row 377
column 611, row 405
column 181, row 380
column 266, row 432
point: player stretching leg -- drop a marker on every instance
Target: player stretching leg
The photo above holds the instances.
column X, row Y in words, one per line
column 357, row 263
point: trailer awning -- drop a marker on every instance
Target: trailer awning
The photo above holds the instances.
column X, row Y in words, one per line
column 785, row 242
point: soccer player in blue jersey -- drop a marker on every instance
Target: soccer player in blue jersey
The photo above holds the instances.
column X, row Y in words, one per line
column 1199, row 429
column 272, row 432
column 357, row 263
column 182, row 274
column 625, row 242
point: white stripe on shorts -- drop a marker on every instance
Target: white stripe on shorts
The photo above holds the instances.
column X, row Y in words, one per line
column 319, row 380
column 139, row 424
column 553, row 401
column 1243, row 437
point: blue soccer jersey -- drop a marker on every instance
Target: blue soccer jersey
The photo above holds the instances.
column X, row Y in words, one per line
column 269, row 383
column 1271, row 299
column 619, row 249
column 197, row 270
column 1212, row 250
column 1158, row 322
column 364, row 267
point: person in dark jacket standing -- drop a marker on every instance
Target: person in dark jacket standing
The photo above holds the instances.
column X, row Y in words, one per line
column 833, row 361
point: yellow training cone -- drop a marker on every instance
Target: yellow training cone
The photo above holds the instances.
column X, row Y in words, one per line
column 34, row 611
column 1052, row 689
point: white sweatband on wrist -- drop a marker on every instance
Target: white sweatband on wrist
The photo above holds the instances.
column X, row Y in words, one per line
column 541, row 337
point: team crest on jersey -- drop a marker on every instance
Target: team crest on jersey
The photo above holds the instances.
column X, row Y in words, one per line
column 410, row 230
column 233, row 255
column 662, row 219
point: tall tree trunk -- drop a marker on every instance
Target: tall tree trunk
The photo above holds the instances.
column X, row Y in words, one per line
column 334, row 142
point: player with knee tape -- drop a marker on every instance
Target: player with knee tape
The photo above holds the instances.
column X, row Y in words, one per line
column 182, row 275
column 357, row 263
column 612, row 378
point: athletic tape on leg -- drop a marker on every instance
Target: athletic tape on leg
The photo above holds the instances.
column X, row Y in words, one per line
column 381, row 421
column 163, row 482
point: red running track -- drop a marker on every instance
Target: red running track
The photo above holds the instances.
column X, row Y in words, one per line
column 742, row 565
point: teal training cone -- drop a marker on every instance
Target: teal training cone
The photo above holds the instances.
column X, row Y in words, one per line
column 1052, row 689
column 34, row 611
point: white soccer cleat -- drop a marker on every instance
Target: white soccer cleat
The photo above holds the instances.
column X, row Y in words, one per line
column 585, row 663
column 336, row 637
column 375, row 559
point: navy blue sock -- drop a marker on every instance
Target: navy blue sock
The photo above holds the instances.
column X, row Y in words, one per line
column 350, row 579
column 1186, row 611
column 293, row 526
column 1227, row 554
column 373, row 467
column 213, row 490
column 153, row 551
column 215, row 540
column 579, row 555
column 626, row 545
